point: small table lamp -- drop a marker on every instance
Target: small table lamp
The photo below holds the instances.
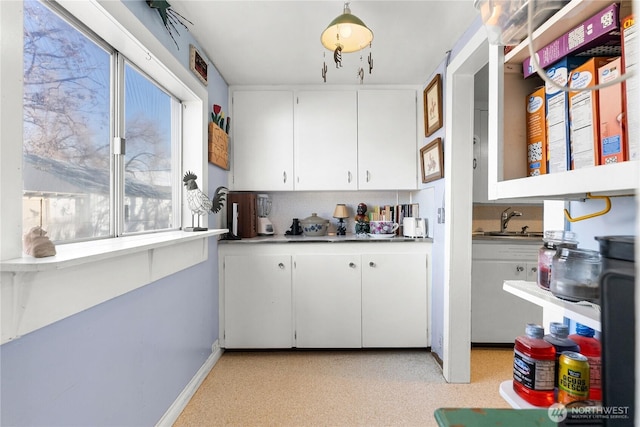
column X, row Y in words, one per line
column 341, row 213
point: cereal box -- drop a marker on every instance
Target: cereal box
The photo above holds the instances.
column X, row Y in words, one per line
column 536, row 133
column 613, row 146
column 632, row 85
column 598, row 35
column 583, row 114
column 557, row 110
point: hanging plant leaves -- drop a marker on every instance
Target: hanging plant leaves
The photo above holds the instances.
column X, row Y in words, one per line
column 169, row 17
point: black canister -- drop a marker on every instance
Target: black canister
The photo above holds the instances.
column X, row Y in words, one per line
column 617, row 318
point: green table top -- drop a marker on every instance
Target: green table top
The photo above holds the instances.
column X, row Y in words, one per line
column 458, row 417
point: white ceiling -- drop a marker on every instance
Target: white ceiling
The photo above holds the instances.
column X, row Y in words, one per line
column 264, row 42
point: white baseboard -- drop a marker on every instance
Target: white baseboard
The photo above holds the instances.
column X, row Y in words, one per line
column 174, row 411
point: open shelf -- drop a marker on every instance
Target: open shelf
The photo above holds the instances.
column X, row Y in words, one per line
column 612, row 179
column 585, row 313
column 511, row 397
column 571, row 15
column 588, row 315
column 507, row 166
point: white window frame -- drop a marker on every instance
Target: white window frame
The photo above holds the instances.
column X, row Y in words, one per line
column 39, row 291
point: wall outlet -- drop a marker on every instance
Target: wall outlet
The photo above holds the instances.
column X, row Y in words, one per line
column 440, row 215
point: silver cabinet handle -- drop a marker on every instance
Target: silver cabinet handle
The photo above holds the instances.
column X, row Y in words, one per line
column 372, row 264
column 284, row 177
column 349, row 177
column 281, row 266
column 368, row 176
column 352, row 265
column 475, row 163
column 519, row 268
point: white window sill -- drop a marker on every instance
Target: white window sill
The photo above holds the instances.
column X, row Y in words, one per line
column 37, row 292
column 74, row 254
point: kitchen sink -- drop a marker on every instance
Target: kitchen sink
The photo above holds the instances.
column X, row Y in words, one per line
column 512, row 234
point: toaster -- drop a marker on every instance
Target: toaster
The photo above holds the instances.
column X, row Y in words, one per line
column 415, row 227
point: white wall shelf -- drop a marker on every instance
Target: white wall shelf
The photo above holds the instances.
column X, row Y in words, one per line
column 508, row 89
column 585, row 313
column 512, row 398
column 613, row 179
column 553, row 308
column 568, row 17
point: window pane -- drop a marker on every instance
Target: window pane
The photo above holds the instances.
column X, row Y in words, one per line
column 148, row 121
column 66, row 128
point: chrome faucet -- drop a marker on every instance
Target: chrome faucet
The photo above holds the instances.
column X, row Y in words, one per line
column 505, row 217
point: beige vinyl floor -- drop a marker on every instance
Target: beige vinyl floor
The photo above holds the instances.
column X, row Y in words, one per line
column 340, row 388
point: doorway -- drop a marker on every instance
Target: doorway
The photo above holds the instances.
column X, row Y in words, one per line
column 458, row 206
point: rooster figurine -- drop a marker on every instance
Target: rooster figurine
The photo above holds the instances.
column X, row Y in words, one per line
column 198, row 202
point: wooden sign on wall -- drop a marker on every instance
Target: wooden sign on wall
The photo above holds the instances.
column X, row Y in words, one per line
column 218, row 146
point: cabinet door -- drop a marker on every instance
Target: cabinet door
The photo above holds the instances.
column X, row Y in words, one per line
column 498, row 316
column 532, row 271
column 262, row 141
column 326, row 140
column 387, row 140
column 480, row 144
column 327, row 301
column 394, row 300
column 257, row 301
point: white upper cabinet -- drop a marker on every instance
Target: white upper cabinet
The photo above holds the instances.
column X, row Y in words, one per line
column 347, row 139
column 507, row 165
column 387, row 140
column 262, row 141
column 326, row 140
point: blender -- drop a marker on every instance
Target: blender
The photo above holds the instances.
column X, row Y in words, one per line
column 264, row 209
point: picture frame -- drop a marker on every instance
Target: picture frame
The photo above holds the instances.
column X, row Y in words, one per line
column 432, row 161
column 198, row 64
column 433, row 106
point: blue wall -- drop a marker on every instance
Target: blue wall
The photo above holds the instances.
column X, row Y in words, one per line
column 121, row 363
column 621, row 220
column 125, row 361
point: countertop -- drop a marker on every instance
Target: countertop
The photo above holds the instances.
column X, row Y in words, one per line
column 280, row 238
column 504, row 239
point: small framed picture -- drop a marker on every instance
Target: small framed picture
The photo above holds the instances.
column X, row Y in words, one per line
column 197, row 64
column 432, row 161
column 433, row 106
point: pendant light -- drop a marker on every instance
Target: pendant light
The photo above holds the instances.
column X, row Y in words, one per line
column 348, row 32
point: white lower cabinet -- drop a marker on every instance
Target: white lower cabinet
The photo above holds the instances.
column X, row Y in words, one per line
column 324, row 295
column 496, row 316
column 257, row 301
column 394, row 300
column 327, row 301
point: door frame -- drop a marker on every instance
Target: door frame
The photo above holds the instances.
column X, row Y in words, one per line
column 458, row 160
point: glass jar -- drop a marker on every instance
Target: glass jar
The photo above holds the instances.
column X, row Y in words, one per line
column 552, row 241
column 575, row 274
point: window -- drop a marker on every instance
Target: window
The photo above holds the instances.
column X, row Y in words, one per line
column 101, row 139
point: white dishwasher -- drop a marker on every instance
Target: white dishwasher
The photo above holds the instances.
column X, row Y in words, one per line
column 498, row 317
